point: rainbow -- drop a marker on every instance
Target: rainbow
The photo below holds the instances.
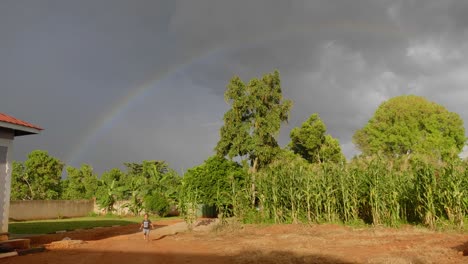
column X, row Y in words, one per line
column 106, row 120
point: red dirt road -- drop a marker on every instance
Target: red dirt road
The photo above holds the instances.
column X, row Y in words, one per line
column 256, row 244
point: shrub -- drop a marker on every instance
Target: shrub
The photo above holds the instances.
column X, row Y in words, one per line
column 157, row 204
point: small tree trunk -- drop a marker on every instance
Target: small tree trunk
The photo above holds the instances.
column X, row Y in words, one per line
column 31, row 197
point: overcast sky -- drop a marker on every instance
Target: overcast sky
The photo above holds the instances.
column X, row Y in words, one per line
column 113, row 81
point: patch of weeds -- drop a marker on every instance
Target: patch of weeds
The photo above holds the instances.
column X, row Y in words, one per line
column 92, row 214
column 357, row 223
column 229, row 225
column 444, row 225
column 111, row 215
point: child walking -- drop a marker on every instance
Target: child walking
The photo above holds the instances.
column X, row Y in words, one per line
column 145, row 225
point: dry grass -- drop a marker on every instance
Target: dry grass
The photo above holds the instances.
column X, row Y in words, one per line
column 227, row 226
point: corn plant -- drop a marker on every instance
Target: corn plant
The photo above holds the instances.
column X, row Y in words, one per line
column 425, row 190
column 350, row 196
column 377, row 190
column 188, row 205
column 452, row 194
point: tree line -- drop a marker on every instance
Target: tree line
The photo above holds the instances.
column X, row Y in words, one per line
column 409, row 169
column 149, row 186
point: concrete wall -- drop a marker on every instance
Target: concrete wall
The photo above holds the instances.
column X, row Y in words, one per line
column 53, row 209
column 6, row 145
column 49, row 209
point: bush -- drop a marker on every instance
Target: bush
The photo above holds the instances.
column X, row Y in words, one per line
column 157, row 204
column 92, row 214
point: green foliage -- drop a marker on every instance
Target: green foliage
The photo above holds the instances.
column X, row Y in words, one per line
column 188, row 203
column 330, row 151
column 383, row 190
column 412, row 124
column 213, row 180
column 160, row 183
column 253, row 122
column 311, row 142
column 108, row 189
column 138, row 186
column 20, row 187
column 279, row 188
column 149, row 185
column 38, row 178
column 157, row 204
column 373, row 189
column 80, row 183
column 133, row 190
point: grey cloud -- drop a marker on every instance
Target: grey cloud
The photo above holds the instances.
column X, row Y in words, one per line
column 373, row 66
column 176, row 121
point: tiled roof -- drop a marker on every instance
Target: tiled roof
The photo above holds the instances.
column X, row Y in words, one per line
column 9, row 119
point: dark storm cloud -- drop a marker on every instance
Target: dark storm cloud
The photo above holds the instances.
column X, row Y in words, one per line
column 65, row 64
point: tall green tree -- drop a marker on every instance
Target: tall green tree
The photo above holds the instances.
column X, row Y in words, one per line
column 412, row 124
column 253, row 121
column 80, row 183
column 38, row 178
column 313, row 144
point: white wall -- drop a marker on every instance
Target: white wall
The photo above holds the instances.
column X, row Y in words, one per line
column 6, row 140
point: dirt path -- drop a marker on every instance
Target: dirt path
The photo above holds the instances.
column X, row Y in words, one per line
column 261, row 244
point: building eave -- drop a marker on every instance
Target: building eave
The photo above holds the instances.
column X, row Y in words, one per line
column 20, row 130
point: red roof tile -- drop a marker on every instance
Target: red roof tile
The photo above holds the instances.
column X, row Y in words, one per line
column 9, row 119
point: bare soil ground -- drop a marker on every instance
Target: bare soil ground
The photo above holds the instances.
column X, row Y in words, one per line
column 172, row 243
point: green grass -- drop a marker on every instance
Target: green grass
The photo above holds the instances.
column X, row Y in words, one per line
column 51, row 226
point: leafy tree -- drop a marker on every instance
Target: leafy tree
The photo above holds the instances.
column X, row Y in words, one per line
column 20, row 184
column 213, row 180
column 38, row 178
column 148, row 183
column 167, row 184
column 253, row 122
column 311, row 142
column 142, row 185
column 134, row 191
column 133, row 187
column 147, row 168
column 331, row 150
column 163, row 184
column 108, row 193
column 157, row 204
column 412, row 124
column 80, row 183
